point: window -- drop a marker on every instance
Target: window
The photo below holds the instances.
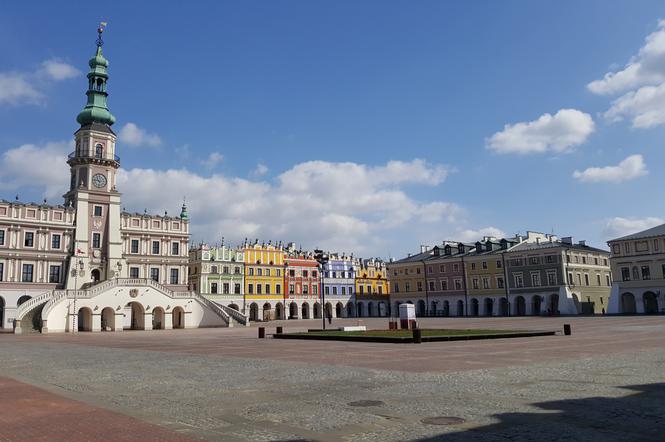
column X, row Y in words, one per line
column 369, row 289
column 570, row 279
column 313, row 273
column 259, row 289
column 305, row 289
column 407, row 287
column 154, row 274
column 551, row 278
column 484, row 265
column 134, row 247
column 579, row 279
column 237, row 270
column 380, row 290
column 334, row 291
column 418, row 270
column 486, row 283
column 315, row 290
column 278, row 288
column 55, row 242
column 626, row 247
column 28, row 269
column 442, row 268
column 549, row 259
column 499, row 264
column 499, row 282
column 2, row 270
column 54, row 274
column 362, row 289
column 595, row 261
column 99, row 149
column 155, row 247
column 646, row 274
column 292, row 273
column 475, row 283
column 236, row 289
column 429, row 269
column 343, row 290
column 533, row 260
column 251, row 271
column 584, row 260
column 96, row 240
column 598, row 280
column 420, row 286
column 586, row 279
column 250, row 288
column 133, row 272
column 607, row 280
column 431, row 285
column 519, row 282
column 267, row 272
column 605, row 262
column 267, row 289
column 458, row 284
column 225, row 288
column 396, row 288
column 259, row 272
column 292, row 289
column 625, row 273
column 305, row 274
column 2, row 237
column 473, row 266
column 29, row 240
column 444, row 284
column 213, row 288
column 175, row 248
column 535, row 279
column 214, row 269
column 97, row 211
column 455, row 267
column 327, row 290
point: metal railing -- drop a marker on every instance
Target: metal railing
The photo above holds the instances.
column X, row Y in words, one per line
column 87, row 156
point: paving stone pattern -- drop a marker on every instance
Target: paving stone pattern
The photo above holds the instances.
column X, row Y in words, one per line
column 227, row 385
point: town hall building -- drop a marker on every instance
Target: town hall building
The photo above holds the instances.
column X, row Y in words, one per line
column 87, row 265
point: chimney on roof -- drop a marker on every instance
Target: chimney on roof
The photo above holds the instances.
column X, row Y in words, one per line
column 424, row 248
column 582, row 243
column 567, row 240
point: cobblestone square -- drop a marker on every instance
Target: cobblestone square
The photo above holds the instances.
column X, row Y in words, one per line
column 606, row 380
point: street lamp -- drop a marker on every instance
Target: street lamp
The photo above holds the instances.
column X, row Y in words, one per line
column 322, row 259
column 76, row 272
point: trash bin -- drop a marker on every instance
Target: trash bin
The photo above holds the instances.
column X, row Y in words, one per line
column 566, row 329
column 280, row 330
column 262, row 332
column 417, row 336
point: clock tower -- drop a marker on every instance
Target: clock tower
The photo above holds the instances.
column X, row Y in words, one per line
column 97, row 253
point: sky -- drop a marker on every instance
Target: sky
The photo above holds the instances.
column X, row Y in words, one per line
column 365, row 127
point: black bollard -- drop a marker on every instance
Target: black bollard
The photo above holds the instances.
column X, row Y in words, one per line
column 417, row 336
column 262, row 332
column 280, row 330
column 566, row 329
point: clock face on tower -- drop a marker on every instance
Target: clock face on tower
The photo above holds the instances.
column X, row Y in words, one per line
column 99, row 180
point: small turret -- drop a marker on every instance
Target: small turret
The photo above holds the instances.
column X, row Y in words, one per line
column 183, row 212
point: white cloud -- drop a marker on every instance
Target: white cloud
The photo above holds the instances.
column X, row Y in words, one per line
column 630, row 168
column 16, row 89
column 18, row 170
column 618, row 227
column 566, row 129
column 212, row 160
column 133, row 135
column 645, row 68
column 470, row 235
column 645, row 107
column 261, row 169
column 58, row 70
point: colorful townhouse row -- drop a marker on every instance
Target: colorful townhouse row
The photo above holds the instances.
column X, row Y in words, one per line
column 271, row 281
column 536, row 274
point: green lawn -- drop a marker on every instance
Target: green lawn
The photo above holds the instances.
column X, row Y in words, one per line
column 409, row 333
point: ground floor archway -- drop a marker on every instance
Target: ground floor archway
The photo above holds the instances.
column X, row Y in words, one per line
column 329, row 310
column 305, row 310
column 267, row 312
column 349, row 310
column 178, row 317
column 536, row 305
column 475, row 309
column 553, row 305
column 446, row 308
column 489, row 306
column 108, row 319
column 383, row 309
column 520, row 306
column 422, row 307
column 158, row 318
column 253, row 312
column 339, row 310
column 460, row 308
column 361, row 310
column 84, row 320
column 137, row 318
column 317, row 310
column 370, row 309
column 650, row 303
column 503, row 307
column 293, row 310
column 628, row 303
column 279, row 311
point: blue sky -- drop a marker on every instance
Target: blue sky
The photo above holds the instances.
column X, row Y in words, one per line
column 365, row 126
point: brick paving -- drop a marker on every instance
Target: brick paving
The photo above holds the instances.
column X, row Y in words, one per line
column 28, row 413
column 605, row 381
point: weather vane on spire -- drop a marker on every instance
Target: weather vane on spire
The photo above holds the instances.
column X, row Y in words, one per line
column 100, row 29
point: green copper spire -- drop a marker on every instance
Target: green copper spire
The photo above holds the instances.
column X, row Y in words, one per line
column 95, row 110
column 183, row 213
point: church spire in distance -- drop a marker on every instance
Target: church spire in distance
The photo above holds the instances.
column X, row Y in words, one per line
column 96, row 110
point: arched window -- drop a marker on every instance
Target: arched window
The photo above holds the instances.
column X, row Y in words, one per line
column 100, row 83
column 99, row 151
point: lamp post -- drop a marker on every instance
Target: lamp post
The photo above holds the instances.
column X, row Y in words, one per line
column 322, row 259
column 79, row 265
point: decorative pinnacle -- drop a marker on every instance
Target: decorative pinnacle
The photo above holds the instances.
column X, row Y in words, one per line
column 100, row 29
